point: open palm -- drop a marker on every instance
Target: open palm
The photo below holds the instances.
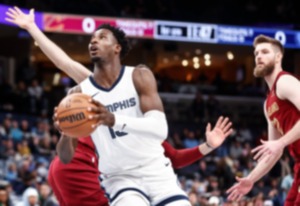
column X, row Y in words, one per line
column 237, row 191
column 220, row 132
column 16, row 16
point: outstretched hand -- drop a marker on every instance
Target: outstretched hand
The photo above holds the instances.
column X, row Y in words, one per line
column 268, row 149
column 219, row 133
column 241, row 188
column 16, row 16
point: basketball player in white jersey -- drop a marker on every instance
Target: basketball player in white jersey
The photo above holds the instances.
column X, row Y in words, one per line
column 135, row 171
column 131, row 126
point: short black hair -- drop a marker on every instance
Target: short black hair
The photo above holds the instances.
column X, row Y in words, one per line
column 120, row 36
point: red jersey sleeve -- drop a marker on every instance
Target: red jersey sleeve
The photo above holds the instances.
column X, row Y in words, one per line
column 183, row 157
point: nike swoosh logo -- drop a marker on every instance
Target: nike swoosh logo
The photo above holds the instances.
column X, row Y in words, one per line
column 95, row 94
column 121, row 134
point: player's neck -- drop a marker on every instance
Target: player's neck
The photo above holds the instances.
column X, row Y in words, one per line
column 106, row 74
column 270, row 79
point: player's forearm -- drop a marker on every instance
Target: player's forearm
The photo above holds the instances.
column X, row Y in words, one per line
column 181, row 157
column 61, row 60
column 65, row 149
column 291, row 136
column 204, row 148
column 186, row 157
column 153, row 124
column 263, row 168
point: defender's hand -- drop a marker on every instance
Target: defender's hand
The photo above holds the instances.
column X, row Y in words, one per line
column 220, row 132
column 237, row 191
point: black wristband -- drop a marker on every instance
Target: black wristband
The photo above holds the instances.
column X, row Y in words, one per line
column 209, row 146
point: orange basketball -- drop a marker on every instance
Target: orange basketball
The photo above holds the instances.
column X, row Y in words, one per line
column 72, row 115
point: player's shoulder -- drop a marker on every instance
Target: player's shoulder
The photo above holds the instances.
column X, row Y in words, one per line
column 287, row 85
column 286, row 80
column 142, row 70
column 143, row 77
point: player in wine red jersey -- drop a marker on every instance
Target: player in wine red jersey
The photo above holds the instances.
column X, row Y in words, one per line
column 282, row 110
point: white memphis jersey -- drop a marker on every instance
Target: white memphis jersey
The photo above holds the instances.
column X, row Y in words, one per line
column 119, row 151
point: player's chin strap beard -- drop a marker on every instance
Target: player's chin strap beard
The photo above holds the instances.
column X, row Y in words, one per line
column 97, row 60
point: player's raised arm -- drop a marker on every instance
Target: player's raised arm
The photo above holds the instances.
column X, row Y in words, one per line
column 61, row 60
column 214, row 138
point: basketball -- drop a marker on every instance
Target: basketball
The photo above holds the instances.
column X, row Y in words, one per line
column 72, row 115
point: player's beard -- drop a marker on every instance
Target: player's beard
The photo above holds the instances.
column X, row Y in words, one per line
column 264, row 70
column 96, row 59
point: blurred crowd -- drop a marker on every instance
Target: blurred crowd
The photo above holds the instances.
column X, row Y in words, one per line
column 26, row 149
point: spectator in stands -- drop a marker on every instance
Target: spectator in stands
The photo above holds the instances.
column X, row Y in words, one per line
column 9, row 150
column 23, row 148
column 5, row 127
column 15, row 133
column 213, row 186
column 25, row 128
column 224, row 174
column 214, row 201
column 193, row 199
column 35, row 92
column 30, row 198
column 27, row 174
column 175, row 140
column 235, row 150
column 44, row 147
column 39, row 131
column 204, row 171
column 41, row 168
column 245, row 133
column 4, row 197
column 190, row 140
column 46, row 198
column 12, row 173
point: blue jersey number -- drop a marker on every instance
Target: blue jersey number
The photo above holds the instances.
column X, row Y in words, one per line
column 115, row 134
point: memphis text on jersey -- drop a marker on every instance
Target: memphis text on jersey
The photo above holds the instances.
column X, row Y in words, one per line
column 124, row 104
column 111, row 107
